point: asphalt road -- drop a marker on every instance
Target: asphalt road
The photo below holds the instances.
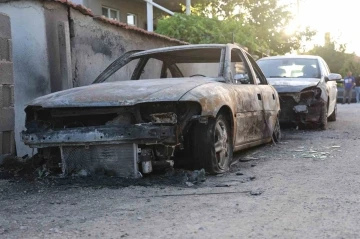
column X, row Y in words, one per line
column 307, row 186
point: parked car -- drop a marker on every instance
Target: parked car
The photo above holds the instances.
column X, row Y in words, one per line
column 306, row 88
column 181, row 100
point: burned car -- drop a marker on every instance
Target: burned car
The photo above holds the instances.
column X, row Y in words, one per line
column 306, row 88
column 149, row 108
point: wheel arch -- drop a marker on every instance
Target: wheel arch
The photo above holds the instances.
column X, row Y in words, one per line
column 226, row 110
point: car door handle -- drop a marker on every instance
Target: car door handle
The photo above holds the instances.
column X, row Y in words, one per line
column 259, row 96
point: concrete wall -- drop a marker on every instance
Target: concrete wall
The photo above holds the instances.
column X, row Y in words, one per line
column 30, row 58
column 7, row 142
column 54, row 14
column 56, row 47
column 96, row 44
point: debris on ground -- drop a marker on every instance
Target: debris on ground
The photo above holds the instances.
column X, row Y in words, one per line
column 83, row 173
column 252, row 178
column 196, row 176
column 248, row 158
column 189, row 184
column 314, row 153
column 256, row 192
column 223, row 185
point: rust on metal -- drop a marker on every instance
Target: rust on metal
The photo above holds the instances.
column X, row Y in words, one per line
column 159, row 115
column 164, row 118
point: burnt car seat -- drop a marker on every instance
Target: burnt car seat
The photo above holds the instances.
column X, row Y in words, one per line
column 309, row 72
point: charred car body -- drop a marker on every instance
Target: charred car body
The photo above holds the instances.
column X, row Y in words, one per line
column 306, row 88
column 200, row 102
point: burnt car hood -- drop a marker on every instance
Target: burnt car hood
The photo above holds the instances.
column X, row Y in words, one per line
column 292, row 85
column 122, row 93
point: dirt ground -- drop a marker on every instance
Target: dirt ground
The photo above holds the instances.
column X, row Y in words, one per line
column 307, row 186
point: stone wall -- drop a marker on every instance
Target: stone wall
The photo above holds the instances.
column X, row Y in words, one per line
column 7, row 142
column 95, row 44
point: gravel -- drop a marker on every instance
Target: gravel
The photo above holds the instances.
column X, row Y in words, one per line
column 306, row 186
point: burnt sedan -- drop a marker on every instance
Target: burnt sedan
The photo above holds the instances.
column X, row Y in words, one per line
column 306, row 88
column 199, row 102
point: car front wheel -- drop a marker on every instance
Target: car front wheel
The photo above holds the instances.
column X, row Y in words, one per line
column 323, row 117
column 332, row 117
column 212, row 146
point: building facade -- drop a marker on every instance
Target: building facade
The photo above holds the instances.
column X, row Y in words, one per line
column 132, row 12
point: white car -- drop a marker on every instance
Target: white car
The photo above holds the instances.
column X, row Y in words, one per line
column 306, row 88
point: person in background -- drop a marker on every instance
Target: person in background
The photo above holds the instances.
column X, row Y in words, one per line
column 349, row 83
column 357, row 89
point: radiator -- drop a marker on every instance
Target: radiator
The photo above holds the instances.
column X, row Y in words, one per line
column 119, row 160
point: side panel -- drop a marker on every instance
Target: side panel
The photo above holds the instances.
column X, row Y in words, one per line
column 332, row 87
column 271, row 107
column 212, row 97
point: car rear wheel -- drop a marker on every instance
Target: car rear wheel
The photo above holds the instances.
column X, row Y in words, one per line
column 332, row 117
column 212, row 147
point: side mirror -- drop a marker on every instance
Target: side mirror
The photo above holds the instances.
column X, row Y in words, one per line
column 242, row 78
column 333, row 77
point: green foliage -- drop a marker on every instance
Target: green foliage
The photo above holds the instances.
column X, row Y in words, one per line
column 201, row 30
column 258, row 25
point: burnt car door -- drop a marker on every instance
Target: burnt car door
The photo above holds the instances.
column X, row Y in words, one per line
column 249, row 106
column 270, row 99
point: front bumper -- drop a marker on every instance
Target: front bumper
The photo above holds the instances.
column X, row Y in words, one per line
column 300, row 112
column 101, row 135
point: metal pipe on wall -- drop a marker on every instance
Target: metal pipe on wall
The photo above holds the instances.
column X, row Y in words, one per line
column 150, row 15
column 188, row 7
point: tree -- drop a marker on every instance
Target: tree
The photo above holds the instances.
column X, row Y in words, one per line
column 258, row 25
column 200, row 30
column 336, row 58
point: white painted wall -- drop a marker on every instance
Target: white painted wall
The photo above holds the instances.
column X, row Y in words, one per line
column 30, row 58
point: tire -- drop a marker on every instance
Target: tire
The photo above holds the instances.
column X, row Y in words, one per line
column 212, row 146
column 323, row 118
column 277, row 131
column 332, row 117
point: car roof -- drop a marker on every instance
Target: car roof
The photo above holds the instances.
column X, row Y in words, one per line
column 179, row 48
column 291, row 57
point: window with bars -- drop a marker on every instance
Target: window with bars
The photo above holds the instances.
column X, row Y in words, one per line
column 111, row 13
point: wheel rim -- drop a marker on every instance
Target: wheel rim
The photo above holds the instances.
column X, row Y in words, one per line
column 221, row 144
